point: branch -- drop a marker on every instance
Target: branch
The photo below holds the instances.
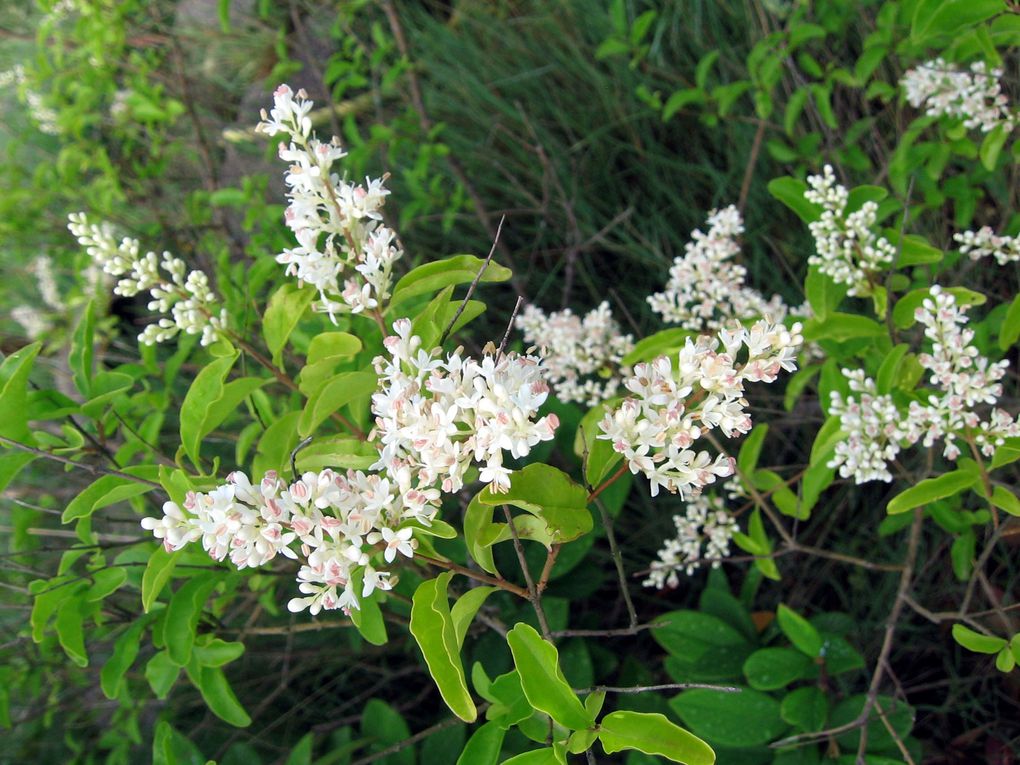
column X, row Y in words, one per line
column 94, row 469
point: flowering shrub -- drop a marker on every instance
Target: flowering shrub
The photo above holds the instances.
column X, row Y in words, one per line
column 323, row 427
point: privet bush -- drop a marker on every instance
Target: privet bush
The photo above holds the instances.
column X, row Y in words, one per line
column 352, row 432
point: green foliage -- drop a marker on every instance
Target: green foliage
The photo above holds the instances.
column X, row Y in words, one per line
column 98, row 432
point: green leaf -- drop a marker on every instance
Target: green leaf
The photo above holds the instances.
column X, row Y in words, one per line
column 653, row 734
column 860, row 195
column 383, row 723
column 823, row 294
column 1005, row 661
column 705, row 648
column 933, row 18
column 286, row 307
column 437, row 274
column 108, row 490
column 745, row 719
column 105, row 582
column 704, row 67
column 888, row 373
column 477, row 525
column 975, row 641
column 796, row 384
column 509, row 704
column 484, row 746
column 218, row 695
column 337, row 452
column 842, row 326
column 768, row 669
column 680, row 99
column 205, row 390
column 912, row 249
column 340, row 391
column 1006, row 500
column 70, row 631
column 182, row 616
column 157, row 572
column 433, row 628
column 537, row 661
column 125, row 651
column 931, row 489
column 368, row 618
column 750, row 450
column 213, row 652
column 333, row 345
column 1009, row 331
column 903, row 313
column 464, row 610
column 805, row 708
column 14, row 373
column 661, row 343
column 799, row 631
column 597, row 453
column 548, row 494
column 161, row 673
column 898, row 715
column 991, row 147
column 790, row 191
column 545, row 756
column 79, row 358
column 301, row 754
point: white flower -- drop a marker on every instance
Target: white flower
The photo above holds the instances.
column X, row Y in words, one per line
column 581, row 357
column 706, row 287
column 186, row 296
column 673, row 405
column 343, row 249
column 965, row 381
column 944, row 89
column 873, row 428
column 435, row 417
column 331, row 522
column 846, row 247
column 704, row 524
column 985, row 243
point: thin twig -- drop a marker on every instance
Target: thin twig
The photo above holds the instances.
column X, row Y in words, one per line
column 509, row 327
column 662, row 687
column 623, row 632
column 401, row 745
column 503, row 584
column 94, row 469
column 533, row 594
column 614, row 551
column 474, row 283
column 550, row 561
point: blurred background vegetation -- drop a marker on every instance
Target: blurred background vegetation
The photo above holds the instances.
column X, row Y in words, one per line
column 556, row 116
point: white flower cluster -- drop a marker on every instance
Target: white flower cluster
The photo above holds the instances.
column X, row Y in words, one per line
column 846, row 247
column 581, row 356
column 675, row 403
column 436, row 417
column 985, row 243
column 703, row 533
column 341, row 525
column 876, row 430
column 706, row 288
column 966, row 379
column 185, row 296
column 35, row 319
column 336, row 223
column 44, row 117
column 976, row 96
column 873, row 428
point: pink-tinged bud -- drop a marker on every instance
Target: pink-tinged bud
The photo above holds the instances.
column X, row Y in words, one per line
column 282, row 91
